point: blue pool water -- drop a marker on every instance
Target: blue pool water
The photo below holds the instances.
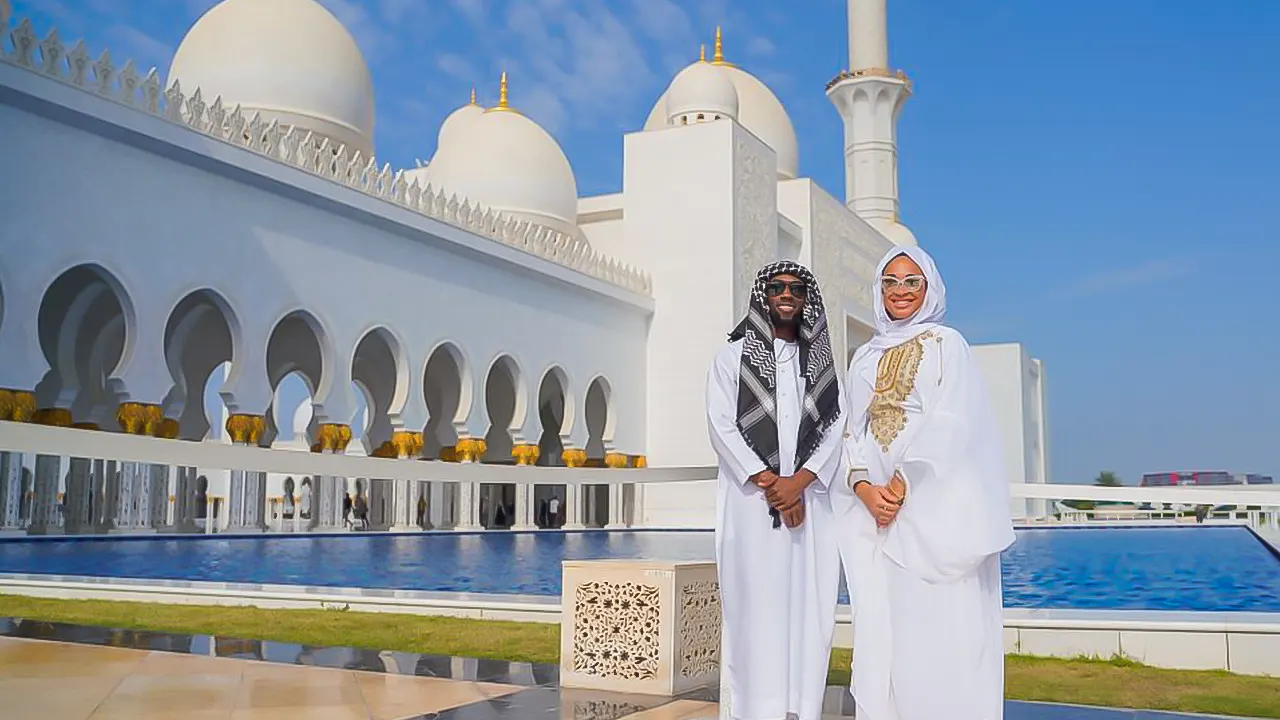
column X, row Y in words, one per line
column 1192, row 568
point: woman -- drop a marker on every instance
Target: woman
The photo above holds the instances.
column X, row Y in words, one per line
column 925, row 512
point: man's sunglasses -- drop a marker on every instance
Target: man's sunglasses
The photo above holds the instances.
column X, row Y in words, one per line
column 774, row 288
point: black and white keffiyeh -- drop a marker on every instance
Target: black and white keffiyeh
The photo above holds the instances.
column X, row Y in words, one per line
column 757, row 399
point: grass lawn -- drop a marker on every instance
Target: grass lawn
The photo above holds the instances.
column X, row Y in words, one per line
column 1115, row 683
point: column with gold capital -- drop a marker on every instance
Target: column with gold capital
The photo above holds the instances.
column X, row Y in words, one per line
column 133, row 499
column 331, row 438
column 616, row 460
column 246, row 499
column 159, row 498
column 15, row 406
column 525, row 454
column 407, row 445
column 469, row 450
column 573, row 458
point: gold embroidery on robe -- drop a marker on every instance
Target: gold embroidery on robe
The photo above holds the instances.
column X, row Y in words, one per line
column 895, row 379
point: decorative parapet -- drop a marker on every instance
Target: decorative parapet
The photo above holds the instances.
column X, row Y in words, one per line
column 869, row 72
column 639, row 626
column 318, row 156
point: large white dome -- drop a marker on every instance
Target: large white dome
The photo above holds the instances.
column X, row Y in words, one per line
column 759, row 111
column 290, row 60
column 505, row 161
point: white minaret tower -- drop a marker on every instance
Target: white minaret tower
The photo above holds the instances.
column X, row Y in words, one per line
column 869, row 97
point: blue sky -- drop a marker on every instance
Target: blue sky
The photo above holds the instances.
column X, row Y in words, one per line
column 1098, row 179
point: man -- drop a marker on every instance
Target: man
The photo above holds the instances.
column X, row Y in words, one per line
column 773, row 402
column 553, row 512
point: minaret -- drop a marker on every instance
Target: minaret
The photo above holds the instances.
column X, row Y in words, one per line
column 869, row 97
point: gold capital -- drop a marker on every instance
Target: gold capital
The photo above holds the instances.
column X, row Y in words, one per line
column 169, row 429
column 246, row 429
column 332, row 437
column 132, row 417
column 406, row 444
column 615, row 460
column 54, row 417
column 17, row 405
column 639, row 461
column 471, row 449
column 526, row 454
column 574, row 457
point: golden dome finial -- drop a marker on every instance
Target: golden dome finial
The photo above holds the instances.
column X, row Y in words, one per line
column 718, row 57
column 473, row 94
column 502, row 105
column 702, row 54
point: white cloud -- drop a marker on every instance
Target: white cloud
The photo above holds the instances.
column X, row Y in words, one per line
column 128, row 42
column 374, row 38
column 457, row 67
column 475, row 11
column 760, row 46
column 581, row 55
column 1153, row 272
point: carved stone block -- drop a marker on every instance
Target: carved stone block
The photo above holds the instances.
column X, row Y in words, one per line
column 640, row 626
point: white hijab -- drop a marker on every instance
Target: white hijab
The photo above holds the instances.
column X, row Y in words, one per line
column 892, row 333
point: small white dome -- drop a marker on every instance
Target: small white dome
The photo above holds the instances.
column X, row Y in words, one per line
column 700, row 93
column 759, row 111
column 290, row 60
column 896, row 232
column 457, row 120
column 505, row 161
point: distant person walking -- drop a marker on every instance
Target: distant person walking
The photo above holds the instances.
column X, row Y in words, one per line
column 553, row 512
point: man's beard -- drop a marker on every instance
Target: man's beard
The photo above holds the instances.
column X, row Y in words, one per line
column 779, row 322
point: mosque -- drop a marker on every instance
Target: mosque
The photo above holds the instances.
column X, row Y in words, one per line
column 231, row 218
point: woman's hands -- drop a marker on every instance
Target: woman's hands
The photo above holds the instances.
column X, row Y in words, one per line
column 882, row 502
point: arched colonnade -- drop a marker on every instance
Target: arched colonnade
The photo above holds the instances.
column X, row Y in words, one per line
column 87, row 328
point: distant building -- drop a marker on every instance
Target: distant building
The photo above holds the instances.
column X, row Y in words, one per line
column 1211, row 477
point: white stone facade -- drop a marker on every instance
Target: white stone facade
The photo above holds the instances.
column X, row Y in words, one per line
column 157, row 234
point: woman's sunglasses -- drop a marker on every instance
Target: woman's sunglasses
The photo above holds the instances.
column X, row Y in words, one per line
column 774, row 288
column 912, row 283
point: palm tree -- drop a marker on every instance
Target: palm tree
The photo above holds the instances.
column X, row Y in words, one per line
column 1108, row 479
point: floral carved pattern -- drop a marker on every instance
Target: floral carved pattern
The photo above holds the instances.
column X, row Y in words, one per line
column 615, row 630
column 699, row 628
column 604, row 710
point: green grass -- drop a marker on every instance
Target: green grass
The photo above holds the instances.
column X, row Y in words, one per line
column 1116, row 683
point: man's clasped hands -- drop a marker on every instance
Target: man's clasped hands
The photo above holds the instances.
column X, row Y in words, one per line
column 785, row 493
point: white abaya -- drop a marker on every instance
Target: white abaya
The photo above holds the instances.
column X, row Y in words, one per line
column 778, row 586
column 926, row 591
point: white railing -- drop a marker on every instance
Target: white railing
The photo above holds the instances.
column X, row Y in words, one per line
column 1257, row 505
column 70, row 442
column 1182, row 495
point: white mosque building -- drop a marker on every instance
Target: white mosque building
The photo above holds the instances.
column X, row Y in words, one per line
column 232, row 215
